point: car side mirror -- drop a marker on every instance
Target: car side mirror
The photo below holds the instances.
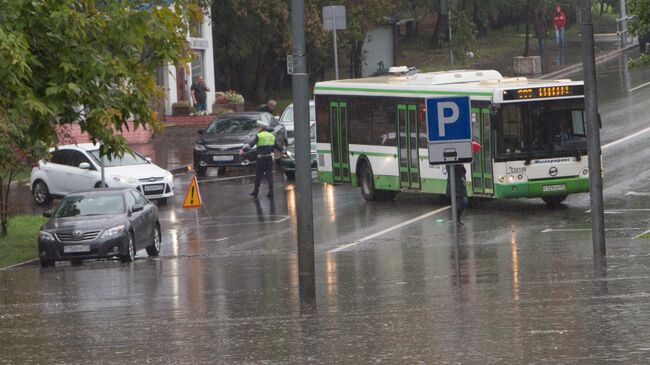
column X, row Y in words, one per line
column 148, row 159
column 84, row 166
column 200, row 131
column 137, row 208
column 276, row 117
column 47, row 214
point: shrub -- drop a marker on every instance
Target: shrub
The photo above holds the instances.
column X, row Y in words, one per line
column 182, row 108
column 228, row 97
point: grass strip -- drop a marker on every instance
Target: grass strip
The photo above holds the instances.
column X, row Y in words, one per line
column 21, row 242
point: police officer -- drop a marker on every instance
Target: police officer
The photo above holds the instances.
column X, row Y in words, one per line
column 266, row 143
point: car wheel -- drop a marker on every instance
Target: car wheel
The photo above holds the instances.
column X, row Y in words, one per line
column 46, row 262
column 291, row 175
column 41, row 193
column 154, row 249
column 554, row 201
column 98, row 185
column 130, row 252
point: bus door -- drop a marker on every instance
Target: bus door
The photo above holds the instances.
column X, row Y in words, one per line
column 340, row 152
column 407, row 146
column 482, row 177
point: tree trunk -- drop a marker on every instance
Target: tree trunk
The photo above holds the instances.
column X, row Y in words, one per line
column 527, row 46
column 441, row 31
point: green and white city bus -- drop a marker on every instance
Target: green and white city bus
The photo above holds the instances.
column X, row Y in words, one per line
column 372, row 133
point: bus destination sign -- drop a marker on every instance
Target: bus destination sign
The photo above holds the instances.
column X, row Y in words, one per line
column 543, row 92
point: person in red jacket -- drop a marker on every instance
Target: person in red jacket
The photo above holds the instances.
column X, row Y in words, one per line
column 559, row 19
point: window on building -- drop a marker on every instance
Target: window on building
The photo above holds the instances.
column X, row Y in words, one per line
column 198, row 68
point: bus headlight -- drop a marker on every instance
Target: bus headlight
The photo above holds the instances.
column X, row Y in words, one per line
column 511, row 178
column 502, row 179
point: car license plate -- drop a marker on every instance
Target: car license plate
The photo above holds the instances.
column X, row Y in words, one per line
column 153, row 187
column 558, row 187
column 222, row 158
column 76, row 248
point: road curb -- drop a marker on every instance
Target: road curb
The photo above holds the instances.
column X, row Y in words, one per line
column 578, row 66
column 24, row 263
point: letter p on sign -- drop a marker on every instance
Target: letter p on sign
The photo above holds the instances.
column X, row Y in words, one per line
column 443, row 107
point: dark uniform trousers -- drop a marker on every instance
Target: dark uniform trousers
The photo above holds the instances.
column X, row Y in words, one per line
column 264, row 166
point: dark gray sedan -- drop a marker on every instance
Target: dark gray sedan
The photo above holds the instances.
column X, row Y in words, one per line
column 100, row 223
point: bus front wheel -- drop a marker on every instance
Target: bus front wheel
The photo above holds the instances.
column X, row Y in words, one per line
column 554, row 201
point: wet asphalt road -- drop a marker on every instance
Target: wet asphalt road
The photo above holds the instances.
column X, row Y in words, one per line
column 225, row 287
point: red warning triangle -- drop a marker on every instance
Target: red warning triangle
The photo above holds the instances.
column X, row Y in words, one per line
column 193, row 196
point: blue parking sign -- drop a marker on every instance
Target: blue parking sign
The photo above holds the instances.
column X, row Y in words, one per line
column 448, row 119
column 450, row 130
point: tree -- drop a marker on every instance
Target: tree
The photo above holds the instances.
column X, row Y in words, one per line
column 86, row 62
column 641, row 26
column 89, row 62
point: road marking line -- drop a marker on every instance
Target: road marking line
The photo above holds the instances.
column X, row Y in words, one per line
column 549, row 230
column 639, row 87
column 216, row 239
column 639, row 235
column 621, row 211
column 398, row 226
column 614, row 143
column 637, row 193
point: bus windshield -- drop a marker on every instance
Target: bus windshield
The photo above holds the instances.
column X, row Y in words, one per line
column 550, row 128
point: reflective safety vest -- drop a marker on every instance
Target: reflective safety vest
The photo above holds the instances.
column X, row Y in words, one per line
column 265, row 138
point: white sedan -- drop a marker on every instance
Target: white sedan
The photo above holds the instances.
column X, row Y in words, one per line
column 77, row 167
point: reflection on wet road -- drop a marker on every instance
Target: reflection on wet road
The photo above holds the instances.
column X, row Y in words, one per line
column 225, row 287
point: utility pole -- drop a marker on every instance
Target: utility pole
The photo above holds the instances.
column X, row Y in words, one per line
column 593, row 133
column 304, row 209
column 623, row 24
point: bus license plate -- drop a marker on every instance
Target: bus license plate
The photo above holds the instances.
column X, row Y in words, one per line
column 558, row 187
column 76, row 248
column 222, row 158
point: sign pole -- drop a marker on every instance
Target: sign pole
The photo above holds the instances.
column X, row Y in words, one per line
column 304, row 206
column 454, row 218
column 336, row 54
column 593, row 134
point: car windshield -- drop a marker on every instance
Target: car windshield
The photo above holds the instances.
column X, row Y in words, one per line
column 234, row 124
column 287, row 116
column 127, row 160
column 80, row 205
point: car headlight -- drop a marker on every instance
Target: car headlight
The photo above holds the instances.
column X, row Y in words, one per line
column 45, row 236
column 199, row 147
column 113, row 231
column 125, row 180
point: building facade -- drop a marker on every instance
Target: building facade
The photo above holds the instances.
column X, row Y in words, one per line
column 177, row 80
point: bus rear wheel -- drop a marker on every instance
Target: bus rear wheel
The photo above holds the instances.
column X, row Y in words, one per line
column 554, row 201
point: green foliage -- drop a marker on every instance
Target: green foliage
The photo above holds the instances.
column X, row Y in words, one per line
column 21, row 243
column 182, row 108
column 641, row 25
column 87, row 62
column 463, row 34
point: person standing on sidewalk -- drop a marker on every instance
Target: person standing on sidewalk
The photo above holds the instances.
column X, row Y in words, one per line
column 269, row 107
column 540, row 29
column 200, row 94
column 266, row 143
column 559, row 20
